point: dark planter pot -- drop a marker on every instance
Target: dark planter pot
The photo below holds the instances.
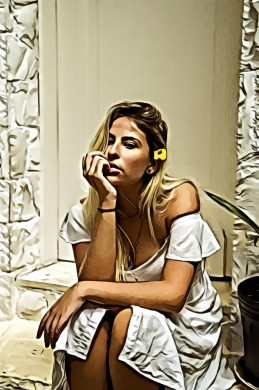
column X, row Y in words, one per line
column 248, row 294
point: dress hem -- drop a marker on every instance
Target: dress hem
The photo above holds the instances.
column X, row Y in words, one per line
column 204, row 255
column 161, row 382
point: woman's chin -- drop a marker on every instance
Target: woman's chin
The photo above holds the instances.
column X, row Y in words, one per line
column 113, row 179
column 116, row 181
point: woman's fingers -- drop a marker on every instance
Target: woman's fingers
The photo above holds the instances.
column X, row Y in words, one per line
column 60, row 325
column 97, row 161
column 57, row 317
column 100, row 166
column 59, row 322
column 47, row 325
column 54, row 330
column 42, row 324
column 93, row 170
column 83, row 166
column 47, row 328
column 89, row 159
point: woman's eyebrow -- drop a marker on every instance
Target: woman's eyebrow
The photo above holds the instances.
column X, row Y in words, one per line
column 126, row 138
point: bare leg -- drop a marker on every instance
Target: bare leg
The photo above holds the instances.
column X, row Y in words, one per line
column 123, row 376
column 92, row 373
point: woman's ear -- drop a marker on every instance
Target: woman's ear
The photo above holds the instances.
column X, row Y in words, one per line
column 152, row 168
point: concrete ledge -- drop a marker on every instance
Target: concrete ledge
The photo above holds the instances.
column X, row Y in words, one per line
column 55, row 277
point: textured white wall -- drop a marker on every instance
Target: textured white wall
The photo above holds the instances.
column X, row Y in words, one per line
column 246, row 245
column 19, row 144
column 19, row 135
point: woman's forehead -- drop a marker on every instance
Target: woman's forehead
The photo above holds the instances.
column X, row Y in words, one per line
column 125, row 125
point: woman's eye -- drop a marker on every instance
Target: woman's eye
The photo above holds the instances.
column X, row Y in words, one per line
column 130, row 145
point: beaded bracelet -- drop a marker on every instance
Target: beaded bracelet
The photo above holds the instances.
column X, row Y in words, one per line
column 105, row 210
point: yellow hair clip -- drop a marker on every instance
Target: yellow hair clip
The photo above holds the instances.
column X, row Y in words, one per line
column 160, row 154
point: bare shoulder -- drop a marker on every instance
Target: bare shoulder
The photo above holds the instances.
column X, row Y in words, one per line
column 186, row 201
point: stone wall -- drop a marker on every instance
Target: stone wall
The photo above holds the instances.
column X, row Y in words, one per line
column 246, row 246
column 19, row 143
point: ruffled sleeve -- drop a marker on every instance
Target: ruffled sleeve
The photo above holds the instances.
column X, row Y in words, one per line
column 73, row 228
column 191, row 239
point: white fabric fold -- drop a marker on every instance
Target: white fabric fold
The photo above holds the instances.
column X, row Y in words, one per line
column 150, row 348
column 73, row 228
column 191, row 239
column 79, row 333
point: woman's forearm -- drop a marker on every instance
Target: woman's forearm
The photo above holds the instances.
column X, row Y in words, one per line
column 167, row 295
column 99, row 261
column 156, row 295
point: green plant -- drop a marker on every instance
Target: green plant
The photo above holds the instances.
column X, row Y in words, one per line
column 234, row 210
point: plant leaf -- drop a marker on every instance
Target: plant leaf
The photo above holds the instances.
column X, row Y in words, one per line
column 234, row 210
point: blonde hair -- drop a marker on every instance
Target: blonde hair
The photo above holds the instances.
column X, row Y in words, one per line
column 158, row 188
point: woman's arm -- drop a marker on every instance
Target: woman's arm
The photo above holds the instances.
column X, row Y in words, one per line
column 169, row 294
column 96, row 260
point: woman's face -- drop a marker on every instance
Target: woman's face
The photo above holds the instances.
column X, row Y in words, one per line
column 129, row 151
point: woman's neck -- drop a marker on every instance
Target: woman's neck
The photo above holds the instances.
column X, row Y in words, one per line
column 127, row 200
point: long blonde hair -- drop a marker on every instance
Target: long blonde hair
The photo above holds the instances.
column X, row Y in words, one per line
column 158, row 188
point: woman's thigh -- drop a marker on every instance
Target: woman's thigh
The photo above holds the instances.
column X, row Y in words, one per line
column 92, row 373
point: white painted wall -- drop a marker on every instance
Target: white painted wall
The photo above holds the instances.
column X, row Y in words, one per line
column 183, row 57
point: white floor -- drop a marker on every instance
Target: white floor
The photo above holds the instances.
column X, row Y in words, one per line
column 25, row 363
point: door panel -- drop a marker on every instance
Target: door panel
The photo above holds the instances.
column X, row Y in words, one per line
column 181, row 56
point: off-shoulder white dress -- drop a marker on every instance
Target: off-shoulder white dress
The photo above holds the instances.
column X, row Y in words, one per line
column 182, row 351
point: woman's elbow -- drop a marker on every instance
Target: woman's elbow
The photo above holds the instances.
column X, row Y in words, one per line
column 175, row 303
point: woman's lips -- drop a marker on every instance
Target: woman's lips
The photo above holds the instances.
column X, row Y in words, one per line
column 112, row 171
column 112, row 165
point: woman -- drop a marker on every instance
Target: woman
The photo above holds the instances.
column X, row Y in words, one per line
column 137, row 225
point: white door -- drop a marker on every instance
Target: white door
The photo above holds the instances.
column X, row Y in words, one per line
column 181, row 56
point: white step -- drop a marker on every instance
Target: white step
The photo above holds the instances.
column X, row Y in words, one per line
column 24, row 361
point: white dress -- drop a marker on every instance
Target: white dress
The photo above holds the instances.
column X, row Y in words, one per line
column 182, row 351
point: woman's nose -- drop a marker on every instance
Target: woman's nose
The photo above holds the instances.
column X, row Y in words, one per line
column 113, row 150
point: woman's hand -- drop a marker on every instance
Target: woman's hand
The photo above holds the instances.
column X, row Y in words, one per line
column 93, row 165
column 57, row 317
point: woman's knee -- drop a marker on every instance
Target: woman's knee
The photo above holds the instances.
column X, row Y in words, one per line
column 119, row 331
